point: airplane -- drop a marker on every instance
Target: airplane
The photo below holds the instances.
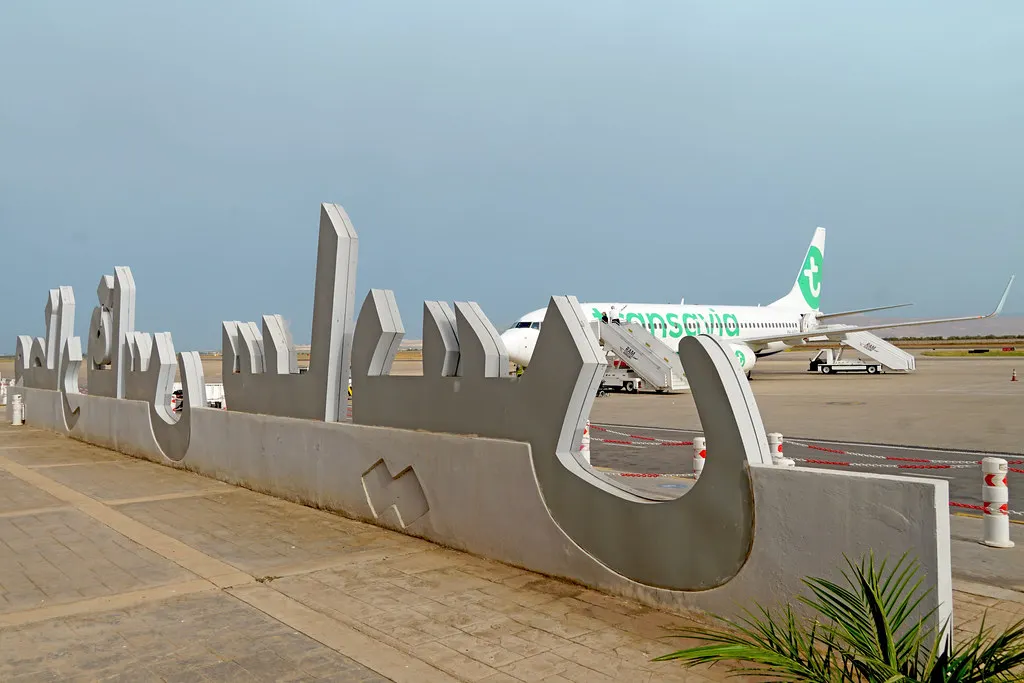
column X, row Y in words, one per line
column 752, row 332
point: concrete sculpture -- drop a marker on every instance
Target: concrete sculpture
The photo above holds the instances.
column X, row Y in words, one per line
column 122, row 363
column 39, row 361
column 139, row 366
column 472, row 458
column 260, row 371
column 53, row 361
column 547, row 407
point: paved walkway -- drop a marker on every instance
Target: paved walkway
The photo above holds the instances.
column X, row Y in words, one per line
column 113, row 568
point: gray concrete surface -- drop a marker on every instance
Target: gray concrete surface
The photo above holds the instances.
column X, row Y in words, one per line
column 962, row 403
column 330, row 465
column 545, row 408
column 116, row 569
column 948, row 410
column 572, row 522
column 113, row 568
column 972, row 561
column 660, row 450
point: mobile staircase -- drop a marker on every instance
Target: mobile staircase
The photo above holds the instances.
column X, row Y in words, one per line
column 649, row 358
column 878, row 349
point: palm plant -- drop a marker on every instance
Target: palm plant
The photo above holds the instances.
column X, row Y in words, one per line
column 864, row 631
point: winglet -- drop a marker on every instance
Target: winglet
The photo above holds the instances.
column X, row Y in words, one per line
column 999, row 308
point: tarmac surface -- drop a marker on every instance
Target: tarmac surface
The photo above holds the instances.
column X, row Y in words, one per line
column 948, row 403
column 663, row 451
column 939, row 422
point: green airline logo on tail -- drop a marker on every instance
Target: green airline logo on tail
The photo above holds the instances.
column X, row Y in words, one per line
column 810, row 277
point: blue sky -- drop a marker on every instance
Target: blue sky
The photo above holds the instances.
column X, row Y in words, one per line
column 635, row 151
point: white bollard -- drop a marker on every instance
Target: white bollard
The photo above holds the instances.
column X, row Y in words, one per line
column 775, row 446
column 585, row 443
column 17, row 410
column 700, row 454
column 995, row 499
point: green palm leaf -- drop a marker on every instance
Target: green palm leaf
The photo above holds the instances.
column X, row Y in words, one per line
column 869, row 629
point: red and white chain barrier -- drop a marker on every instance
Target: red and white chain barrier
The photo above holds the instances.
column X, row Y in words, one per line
column 775, row 443
column 906, row 463
column 636, row 440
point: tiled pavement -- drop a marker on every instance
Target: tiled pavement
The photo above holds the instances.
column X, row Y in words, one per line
column 113, row 568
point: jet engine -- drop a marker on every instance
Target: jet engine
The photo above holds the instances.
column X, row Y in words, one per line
column 744, row 355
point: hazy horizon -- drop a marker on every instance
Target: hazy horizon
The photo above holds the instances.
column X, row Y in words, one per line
column 642, row 152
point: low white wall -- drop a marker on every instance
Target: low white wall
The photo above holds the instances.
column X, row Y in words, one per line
column 481, row 496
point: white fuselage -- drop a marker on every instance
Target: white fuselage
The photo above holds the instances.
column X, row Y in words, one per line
column 668, row 323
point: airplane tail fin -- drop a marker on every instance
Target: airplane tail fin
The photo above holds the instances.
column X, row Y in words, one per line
column 806, row 291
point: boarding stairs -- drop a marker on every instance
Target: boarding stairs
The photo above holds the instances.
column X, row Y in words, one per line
column 657, row 366
column 879, row 350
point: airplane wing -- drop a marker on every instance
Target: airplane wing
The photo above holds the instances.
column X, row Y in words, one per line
column 840, row 314
column 835, row 332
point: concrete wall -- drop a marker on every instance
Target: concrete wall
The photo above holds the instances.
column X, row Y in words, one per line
column 469, row 457
column 482, row 496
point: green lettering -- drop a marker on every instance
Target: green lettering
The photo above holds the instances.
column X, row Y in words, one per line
column 690, row 324
column 732, row 325
column 651, row 317
column 677, row 329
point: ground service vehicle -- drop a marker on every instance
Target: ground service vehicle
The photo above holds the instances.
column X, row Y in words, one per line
column 826, row 363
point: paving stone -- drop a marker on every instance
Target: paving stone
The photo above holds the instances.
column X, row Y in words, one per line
column 173, row 639
column 257, row 533
column 129, row 479
column 58, row 557
column 469, row 617
column 43, row 449
column 16, row 495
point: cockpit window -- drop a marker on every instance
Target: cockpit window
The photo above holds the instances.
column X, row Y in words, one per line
column 535, row 326
column 521, row 324
column 525, row 325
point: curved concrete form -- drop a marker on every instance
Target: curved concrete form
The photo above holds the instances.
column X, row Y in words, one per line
column 54, row 360
column 110, row 333
column 259, row 366
column 547, row 407
column 71, row 365
column 123, row 363
column 151, row 379
column 38, row 361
